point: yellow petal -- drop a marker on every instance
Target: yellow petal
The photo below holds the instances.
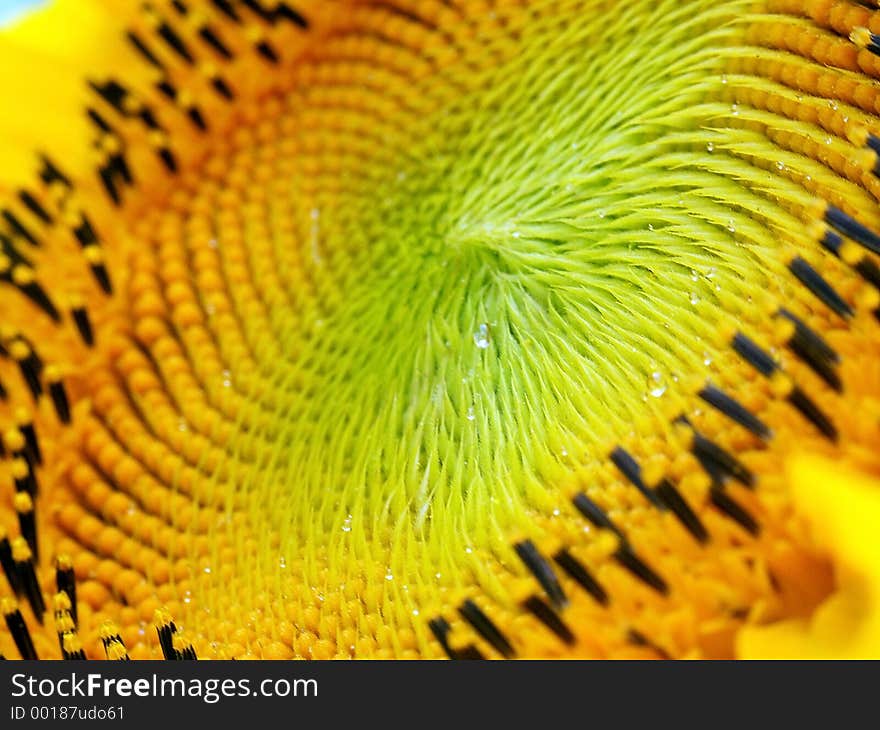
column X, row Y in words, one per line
column 42, row 66
column 843, row 508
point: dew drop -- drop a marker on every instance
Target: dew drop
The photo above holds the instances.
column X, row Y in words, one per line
column 470, row 414
column 481, row 336
column 389, row 575
column 346, row 524
column 656, row 385
column 710, row 147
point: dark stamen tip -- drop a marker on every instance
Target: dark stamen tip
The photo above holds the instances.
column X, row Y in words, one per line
column 486, row 628
column 543, row 572
column 577, row 572
column 547, row 616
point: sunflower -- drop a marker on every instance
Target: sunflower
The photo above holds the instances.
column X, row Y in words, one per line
column 425, row 328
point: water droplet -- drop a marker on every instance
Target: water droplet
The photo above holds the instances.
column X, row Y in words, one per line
column 282, row 562
column 694, row 275
column 468, row 550
column 780, row 165
column 389, row 575
column 731, row 226
column 656, row 385
column 415, row 612
column 710, row 147
column 516, row 234
column 564, row 451
column 481, row 336
column 650, row 226
column 724, row 79
column 693, row 298
column 601, row 214
column 208, row 571
column 707, row 359
column 346, row 524
column 470, row 414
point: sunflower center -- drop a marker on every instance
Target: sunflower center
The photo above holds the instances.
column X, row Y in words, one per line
column 469, row 279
